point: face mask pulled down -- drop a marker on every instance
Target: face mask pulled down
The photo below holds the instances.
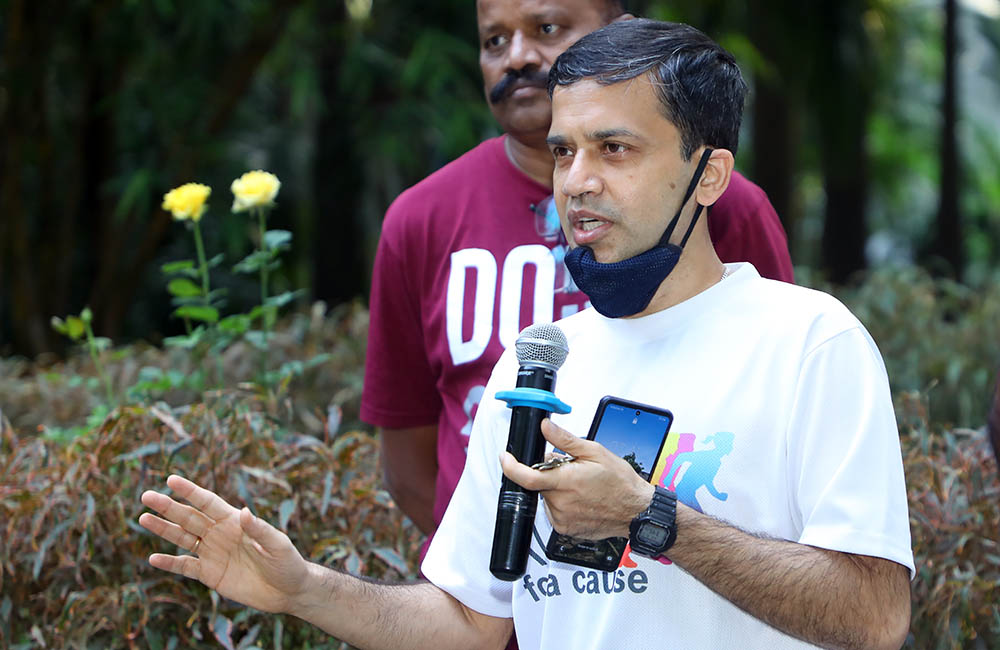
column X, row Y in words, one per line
column 624, row 288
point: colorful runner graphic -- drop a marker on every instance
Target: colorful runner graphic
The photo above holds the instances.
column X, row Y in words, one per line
column 699, row 470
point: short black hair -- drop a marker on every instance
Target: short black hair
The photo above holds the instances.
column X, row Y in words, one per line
column 699, row 83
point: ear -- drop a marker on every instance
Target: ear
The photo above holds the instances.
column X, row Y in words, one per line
column 624, row 16
column 715, row 178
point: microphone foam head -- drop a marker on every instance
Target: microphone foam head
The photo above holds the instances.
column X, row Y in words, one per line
column 541, row 345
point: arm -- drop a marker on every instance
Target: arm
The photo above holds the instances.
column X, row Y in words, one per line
column 830, row 598
column 248, row 560
column 409, row 462
column 833, row 599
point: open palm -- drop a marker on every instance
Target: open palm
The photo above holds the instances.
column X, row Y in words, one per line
column 240, row 556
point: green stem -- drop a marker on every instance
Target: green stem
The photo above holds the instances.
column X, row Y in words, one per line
column 262, row 218
column 265, row 314
column 205, row 297
column 92, row 346
column 202, row 264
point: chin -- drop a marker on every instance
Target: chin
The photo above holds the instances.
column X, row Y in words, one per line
column 527, row 121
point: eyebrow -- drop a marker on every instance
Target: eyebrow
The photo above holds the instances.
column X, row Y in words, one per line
column 613, row 133
column 558, row 140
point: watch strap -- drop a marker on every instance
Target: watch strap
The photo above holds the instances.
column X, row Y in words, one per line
column 662, row 511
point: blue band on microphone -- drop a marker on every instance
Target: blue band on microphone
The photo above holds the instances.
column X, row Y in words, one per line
column 534, row 398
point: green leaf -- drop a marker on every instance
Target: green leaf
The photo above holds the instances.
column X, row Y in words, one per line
column 283, row 299
column 102, row 342
column 294, row 367
column 86, row 315
column 252, row 262
column 393, row 559
column 222, row 630
column 183, row 288
column 215, row 261
column 76, row 327
column 185, row 342
column 257, row 338
column 178, row 266
column 145, row 450
column 285, row 512
column 198, row 313
column 59, row 325
column 46, row 543
column 319, row 359
column 353, row 564
column 235, row 324
column 276, row 239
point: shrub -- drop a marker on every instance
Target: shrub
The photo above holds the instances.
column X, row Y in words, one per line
column 73, row 568
column 937, row 337
column 954, row 497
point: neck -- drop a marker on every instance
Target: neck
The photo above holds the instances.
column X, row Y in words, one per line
column 698, row 269
column 533, row 158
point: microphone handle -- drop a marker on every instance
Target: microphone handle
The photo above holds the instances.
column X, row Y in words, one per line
column 516, row 506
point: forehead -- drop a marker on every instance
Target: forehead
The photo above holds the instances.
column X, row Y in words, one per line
column 587, row 108
column 496, row 13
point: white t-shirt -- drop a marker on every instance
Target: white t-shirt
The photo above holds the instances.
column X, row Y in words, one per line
column 786, row 396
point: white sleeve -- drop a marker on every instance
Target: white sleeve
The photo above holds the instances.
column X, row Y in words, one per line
column 845, row 465
column 459, row 556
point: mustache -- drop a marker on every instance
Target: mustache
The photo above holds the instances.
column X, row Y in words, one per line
column 515, row 79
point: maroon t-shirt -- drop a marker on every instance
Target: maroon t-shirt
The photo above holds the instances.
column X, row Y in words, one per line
column 464, row 263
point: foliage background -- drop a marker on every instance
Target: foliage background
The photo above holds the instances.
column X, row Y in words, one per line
column 106, row 104
column 872, row 124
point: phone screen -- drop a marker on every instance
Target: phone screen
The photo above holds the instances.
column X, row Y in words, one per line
column 635, row 434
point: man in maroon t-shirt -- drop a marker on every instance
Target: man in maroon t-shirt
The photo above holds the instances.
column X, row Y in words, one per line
column 473, row 253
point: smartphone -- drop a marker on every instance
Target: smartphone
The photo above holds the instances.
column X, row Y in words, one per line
column 635, row 432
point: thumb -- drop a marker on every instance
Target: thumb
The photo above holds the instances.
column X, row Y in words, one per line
column 563, row 439
column 270, row 538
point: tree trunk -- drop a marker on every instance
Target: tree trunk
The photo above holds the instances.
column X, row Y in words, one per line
column 843, row 99
column 948, row 244
column 773, row 152
column 339, row 268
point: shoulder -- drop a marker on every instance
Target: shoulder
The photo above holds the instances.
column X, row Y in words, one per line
column 794, row 311
column 439, row 201
column 443, row 185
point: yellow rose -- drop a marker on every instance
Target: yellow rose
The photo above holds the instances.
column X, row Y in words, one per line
column 254, row 190
column 187, row 201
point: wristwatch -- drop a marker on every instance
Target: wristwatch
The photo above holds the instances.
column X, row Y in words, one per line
column 653, row 532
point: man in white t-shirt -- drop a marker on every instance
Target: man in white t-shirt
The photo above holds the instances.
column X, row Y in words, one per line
column 781, row 521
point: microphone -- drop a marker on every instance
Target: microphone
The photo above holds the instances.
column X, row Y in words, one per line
column 541, row 350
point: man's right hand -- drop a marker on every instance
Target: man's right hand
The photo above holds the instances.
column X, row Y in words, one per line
column 240, row 556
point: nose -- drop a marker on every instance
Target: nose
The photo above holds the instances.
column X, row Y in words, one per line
column 580, row 178
column 523, row 51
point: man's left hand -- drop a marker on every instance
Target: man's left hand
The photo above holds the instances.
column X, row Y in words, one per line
column 595, row 496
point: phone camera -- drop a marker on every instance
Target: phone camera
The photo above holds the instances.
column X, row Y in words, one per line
column 637, row 413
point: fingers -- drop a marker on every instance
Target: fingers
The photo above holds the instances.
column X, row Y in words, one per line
column 563, row 439
column 169, row 531
column 190, row 519
column 208, row 502
column 185, row 565
column 530, row 479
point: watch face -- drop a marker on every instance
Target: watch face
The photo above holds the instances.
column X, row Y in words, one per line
column 652, row 534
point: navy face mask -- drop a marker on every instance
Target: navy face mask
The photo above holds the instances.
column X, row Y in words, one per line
column 625, row 288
